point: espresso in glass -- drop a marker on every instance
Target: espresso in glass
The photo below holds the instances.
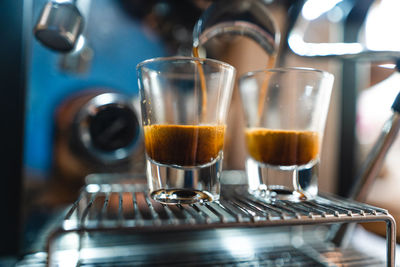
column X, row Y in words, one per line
column 282, row 147
column 277, row 153
column 184, row 102
column 192, row 149
column 285, row 112
column 184, row 145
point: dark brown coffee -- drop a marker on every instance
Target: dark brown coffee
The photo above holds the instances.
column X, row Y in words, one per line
column 203, row 85
column 184, row 145
column 282, row 147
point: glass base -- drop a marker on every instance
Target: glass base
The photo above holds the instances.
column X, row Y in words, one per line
column 181, row 196
column 293, row 183
column 177, row 185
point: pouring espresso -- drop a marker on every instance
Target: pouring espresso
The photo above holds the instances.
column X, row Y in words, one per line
column 250, row 18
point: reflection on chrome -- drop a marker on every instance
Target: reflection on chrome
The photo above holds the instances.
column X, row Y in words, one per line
column 238, row 246
column 313, row 9
column 379, row 45
column 93, row 188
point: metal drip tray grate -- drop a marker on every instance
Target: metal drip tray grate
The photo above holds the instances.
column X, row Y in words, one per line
column 129, row 206
column 124, row 214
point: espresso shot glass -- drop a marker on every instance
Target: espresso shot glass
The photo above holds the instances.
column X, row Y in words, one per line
column 184, row 103
column 285, row 111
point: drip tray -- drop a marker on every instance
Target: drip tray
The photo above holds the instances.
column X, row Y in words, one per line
column 117, row 224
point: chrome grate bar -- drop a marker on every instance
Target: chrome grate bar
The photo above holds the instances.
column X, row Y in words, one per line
column 232, row 210
column 210, row 217
column 87, row 209
column 258, row 213
column 137, row 215
column 74, row 207
column 188, row 216
column 288, row 209
column 222, row 215
column 250, row 214
column 353, row 204
column 120, row 208
column 337, row 210
column 154, row 215
column 315, row 208
column 195, row 214
column 303, row 211
column 103, row 212
column 271, row 210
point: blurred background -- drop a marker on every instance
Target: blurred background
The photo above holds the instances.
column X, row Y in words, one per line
column 69, row 105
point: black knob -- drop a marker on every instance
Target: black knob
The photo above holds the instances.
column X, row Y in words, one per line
column 113, row 127
column 107, row 128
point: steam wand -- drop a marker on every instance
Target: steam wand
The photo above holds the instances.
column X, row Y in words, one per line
column 371, row 167
column 373, row 164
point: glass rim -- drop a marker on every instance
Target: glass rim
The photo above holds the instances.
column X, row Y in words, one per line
column 285, row 69
column 184, row 58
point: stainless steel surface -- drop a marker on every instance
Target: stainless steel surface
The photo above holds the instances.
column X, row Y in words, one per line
column 126, row 210
column 343, row 50
column 59, row 26
column 336, row 50
column 278, row 256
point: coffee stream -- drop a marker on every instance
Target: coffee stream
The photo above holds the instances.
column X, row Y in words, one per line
column 202, row 85
column 264, row 89
column 186, row 145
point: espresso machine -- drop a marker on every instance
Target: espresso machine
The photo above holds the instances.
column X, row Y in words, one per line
column 65, row 86
column 111, row 221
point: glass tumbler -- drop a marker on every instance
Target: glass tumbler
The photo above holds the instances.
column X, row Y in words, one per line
column 285, row 110
column 184, row 102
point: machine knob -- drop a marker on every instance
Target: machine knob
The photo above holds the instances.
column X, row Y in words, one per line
column 108, row 128
column 59, row 26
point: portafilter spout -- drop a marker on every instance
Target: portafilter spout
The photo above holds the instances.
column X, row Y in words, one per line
column 250, row 18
